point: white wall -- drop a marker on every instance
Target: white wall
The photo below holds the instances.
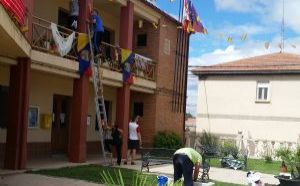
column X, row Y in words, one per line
column 232, row 106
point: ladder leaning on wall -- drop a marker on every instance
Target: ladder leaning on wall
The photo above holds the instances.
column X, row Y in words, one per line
column 98, row 92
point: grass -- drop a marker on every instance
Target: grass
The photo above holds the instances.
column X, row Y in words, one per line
column 91, row 173
column 257, row 165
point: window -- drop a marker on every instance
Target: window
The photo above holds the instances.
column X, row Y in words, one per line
column 263, row 92
column 167, row 46
column 142, row 40
column 3, row 107
column 138, row 109
column 63, row 17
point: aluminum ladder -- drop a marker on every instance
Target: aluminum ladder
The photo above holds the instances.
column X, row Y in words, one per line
column 98, row 91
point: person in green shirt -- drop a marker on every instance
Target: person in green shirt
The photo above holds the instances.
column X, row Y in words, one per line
column 184, row 160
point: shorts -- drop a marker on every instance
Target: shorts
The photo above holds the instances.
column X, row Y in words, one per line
column 133, row 144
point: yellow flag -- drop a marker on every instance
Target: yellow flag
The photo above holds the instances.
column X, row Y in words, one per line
column 229, row 40
column 82, row 42
column 244, row 36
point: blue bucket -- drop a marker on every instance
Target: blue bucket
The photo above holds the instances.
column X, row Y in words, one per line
column 162, row 180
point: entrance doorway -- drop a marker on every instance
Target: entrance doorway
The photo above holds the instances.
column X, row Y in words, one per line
column 60, row 124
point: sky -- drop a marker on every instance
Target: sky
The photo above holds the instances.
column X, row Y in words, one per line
column 260, row 19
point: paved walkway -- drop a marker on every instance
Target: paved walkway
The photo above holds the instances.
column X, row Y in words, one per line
column 22, row 179
column 218, row 174
column 39, row 180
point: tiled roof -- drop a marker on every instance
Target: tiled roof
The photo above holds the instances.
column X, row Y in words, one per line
column 266, row 64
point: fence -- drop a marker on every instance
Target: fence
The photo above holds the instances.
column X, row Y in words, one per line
column 42, row 40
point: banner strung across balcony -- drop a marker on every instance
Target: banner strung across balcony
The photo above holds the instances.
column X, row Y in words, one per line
column 191, row 20
column 16, row 8
column 127, row 60
column 64, row 45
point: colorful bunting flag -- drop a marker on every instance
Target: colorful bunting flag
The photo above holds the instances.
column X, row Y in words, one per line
column 229, row 40
column 84, row 67
column 244, row 36
column 127, row 59
column 82, row 41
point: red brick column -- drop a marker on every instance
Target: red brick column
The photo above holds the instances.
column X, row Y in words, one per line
column 77, row 138
column 16, row 139
column 123, row 94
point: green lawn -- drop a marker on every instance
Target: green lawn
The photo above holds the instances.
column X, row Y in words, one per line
column 257, row 165
column 91, row 173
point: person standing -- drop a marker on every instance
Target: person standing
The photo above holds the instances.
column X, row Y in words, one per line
column 98, row 31
column 74, row 13
column 134, row 139
column 184, row 160
column 117, row 134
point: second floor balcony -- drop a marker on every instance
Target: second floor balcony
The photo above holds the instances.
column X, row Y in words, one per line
column 42, row 40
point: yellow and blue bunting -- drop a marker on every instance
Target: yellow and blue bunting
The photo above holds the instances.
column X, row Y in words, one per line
column 127, row 59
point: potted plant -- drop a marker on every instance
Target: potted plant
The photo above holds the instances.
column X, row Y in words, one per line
column 292, row 159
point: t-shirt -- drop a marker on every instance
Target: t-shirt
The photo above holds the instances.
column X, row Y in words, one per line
column 99, row 24
column 193, row 155
column 134, row 129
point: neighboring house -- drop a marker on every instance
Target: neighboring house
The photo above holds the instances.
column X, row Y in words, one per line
column 60, row 103
column 255, row 97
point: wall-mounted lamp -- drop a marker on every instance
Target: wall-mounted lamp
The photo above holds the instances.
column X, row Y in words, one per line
column 141, row 23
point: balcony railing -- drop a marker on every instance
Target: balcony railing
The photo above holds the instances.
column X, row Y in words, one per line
column 42, row 40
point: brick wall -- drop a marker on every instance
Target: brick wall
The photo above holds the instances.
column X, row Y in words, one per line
column 158, row 114
column 148, row 120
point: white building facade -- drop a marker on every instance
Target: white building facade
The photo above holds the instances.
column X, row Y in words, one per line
column 255, row 99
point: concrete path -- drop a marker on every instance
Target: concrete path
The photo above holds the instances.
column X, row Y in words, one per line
column 39, row 180
column 218, row 174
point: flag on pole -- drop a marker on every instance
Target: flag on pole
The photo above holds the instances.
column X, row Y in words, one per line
column 191, row 22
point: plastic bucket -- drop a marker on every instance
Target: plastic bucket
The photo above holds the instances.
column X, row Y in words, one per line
column 162, row 180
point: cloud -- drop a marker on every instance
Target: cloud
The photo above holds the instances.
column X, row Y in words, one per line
column 238, row 5
column 238, row 30
column 268, row 11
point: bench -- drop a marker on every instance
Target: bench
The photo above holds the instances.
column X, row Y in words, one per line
column 156, row 156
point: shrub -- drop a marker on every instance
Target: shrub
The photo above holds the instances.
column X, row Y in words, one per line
column 268, row 159
column 209, row 140
column 167, row 140
column 209, row 143
column 229, row 148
